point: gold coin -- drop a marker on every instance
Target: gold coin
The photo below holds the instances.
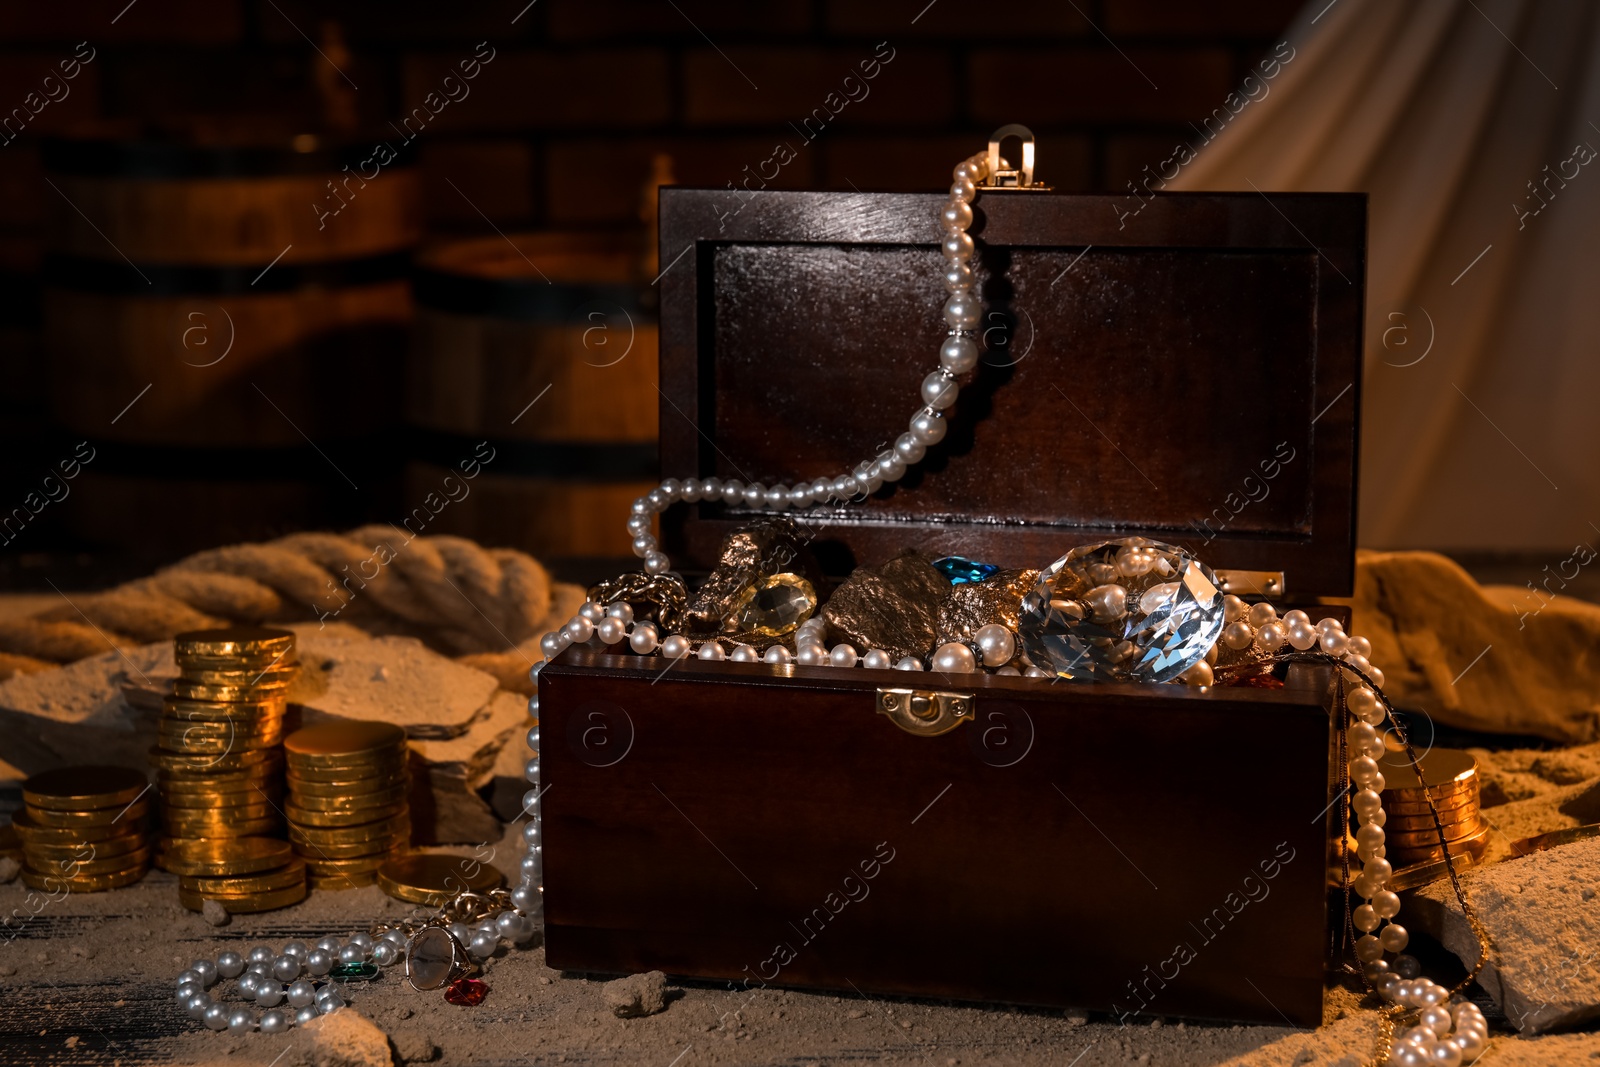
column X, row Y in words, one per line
column 291, row 873
column 1413, row 839
column 1527, row 846
column 433, row 878
column 128, row 815
column 1420, row 874
column 223, row 748
column 377, row 847
column 83, row 851
column 272, row 677
column 329, row 819
column 220, row 787
column 56, row 883
column 1419, row 805
column 337, row 740
column 230, row 828
column 31, row 832
column 323, row 868
column 220, row 801
column 337, row 882
column 393, row 793
column 299, row 787
column 83, row 788
column 391, row 767
column 234, row 641
column 226, row 858
column 1473, row 845
column 1412, row 823
column 351, row 835
column 244, row 905
column 223, row 710
column 187, row 690
column 200, row 764
column 91, row 865
column 201, row 816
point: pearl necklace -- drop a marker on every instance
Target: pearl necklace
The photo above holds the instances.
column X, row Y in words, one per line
column 957, row 355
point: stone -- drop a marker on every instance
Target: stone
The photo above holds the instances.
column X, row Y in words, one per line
column 9, row 869
column 1496, row 658
column 1544, row 969
column 466, row 992
column 412, row 1044
column 346, row 1038
column 214, row 913
column 773, row 607
column 1126, row 610
column 636, row 995
column 959, row 569
column 894, row 607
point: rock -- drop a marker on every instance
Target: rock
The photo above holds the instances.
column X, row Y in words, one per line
column 457, row 768
column 636, row 995
column 346, row 1039
column 1544, row 969
column 214, row 913
column 1493, row 658
column 9, row 869
column 412, row 1044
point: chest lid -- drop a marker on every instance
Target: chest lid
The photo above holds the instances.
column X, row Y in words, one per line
column 1184, row 367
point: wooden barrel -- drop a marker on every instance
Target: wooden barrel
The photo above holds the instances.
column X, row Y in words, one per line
column 538, row 344
column 225, row 311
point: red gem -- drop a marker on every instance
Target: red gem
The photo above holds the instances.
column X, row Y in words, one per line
column 468, row 992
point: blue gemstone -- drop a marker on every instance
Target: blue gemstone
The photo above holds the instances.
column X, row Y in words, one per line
column 959, row 569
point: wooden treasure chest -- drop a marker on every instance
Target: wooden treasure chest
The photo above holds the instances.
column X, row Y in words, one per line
column 1190, row 374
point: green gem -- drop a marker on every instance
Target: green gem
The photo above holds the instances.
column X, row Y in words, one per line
column 358, row 972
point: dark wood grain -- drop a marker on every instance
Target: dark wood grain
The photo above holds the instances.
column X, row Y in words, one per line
column 1139, row 379
column 746, row 793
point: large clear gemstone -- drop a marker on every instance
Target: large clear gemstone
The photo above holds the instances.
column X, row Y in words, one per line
column 1130, row 610
column 775, row 606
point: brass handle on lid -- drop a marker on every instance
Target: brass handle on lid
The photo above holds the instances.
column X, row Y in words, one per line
column 1004, row 177
column 925, row 712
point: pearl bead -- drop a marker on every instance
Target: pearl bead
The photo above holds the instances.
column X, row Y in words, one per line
column 957, row 214
column 275, row 1022
column 958, row 354
column 1272, row 637
column 711, row 488
column 1368, row 948
column 611, row 630
column 1360, row 646
column 800, row 496
column 996, row 643
column 1237, row 635
column 1301, row 636
column 301, row 993
column 592, row 611
column 1330, row 623
column 643, row 639
column 962, row 311
column 744, row 654
column 319, row 962
column 939, row 390
column 286, row 968
column 877, row 659
column 755, row 495
column 1371, row 838
column 963, row 189
column 928, row 427
column 1366, row 802
column 230, row 965
column 892, row 466
column 1387, row 904
column 1199, row 674
column 843, row 655
column 579, row 629
column 732, row 491
column 1233, row 609
column 269, row 994
column 656, row 563
column 1364, row 705
column 954, row 658
column 1363, row 768
column 241, row 1021
column 967, row 170
column 197, row 1006
column 1394, row 937
column 957, row 276
column 216, row 1017
column 1365, row 919
column 263, row 954
column 777, row 654
column 690, row 492
column 957, row 246
column 206, row 970
column 249, row 983
column 811, row 655
column 640, row 506
column 909, row 448
column 551, row 644
column 1260, row 614
column 1377, row 677
column 711, row 650
column 1296, row 618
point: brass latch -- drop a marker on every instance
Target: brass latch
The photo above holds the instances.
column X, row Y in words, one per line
column 1003, row 176
column 1251, row 583
column 925, row 712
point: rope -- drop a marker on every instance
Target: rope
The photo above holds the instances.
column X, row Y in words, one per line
column 486, row 607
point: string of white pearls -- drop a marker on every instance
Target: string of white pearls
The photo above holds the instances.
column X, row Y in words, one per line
column 1445, row 1034
column 958, row 355
column 1258, row 624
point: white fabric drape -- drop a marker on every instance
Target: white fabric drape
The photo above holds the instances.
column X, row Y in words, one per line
column 1456, row 117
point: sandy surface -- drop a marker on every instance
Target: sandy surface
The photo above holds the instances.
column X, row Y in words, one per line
column 89, row 979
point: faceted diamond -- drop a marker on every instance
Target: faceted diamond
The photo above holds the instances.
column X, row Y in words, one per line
column 431, row 958
column 468, row 992
column 775, row 606
column 959, row 569
column 1120, row 611
column 357, row 972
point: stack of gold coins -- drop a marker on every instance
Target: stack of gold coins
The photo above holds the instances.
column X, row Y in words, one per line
column 1410, row 834
column 84, row 829
column 218, row 756
column 244, row 874
column 347, row 803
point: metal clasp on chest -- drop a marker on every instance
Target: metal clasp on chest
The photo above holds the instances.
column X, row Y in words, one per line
column 925, row 712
